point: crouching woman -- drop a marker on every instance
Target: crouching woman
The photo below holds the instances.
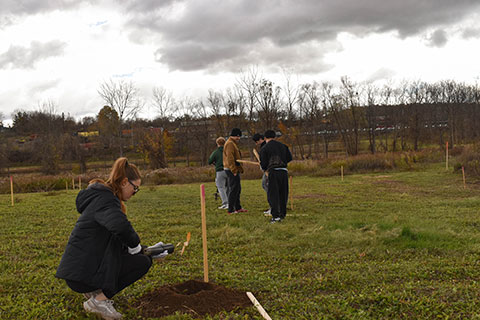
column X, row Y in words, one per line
column 103, row 254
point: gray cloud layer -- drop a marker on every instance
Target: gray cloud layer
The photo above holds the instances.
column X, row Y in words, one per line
column 211, row 33
column 230, row 34
column 18, row 57
column 20, row 7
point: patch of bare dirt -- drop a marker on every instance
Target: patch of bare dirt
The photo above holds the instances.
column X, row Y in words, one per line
column 192, row 297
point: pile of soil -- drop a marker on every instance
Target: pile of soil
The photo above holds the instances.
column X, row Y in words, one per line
column 191, row 297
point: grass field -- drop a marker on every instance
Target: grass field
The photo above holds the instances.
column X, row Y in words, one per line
column 375, row 246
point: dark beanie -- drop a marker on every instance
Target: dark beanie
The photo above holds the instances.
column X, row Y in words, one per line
column 236, row 132
column 270, row 134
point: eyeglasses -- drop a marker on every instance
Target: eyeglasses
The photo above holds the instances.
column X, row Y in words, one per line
column 135, row 188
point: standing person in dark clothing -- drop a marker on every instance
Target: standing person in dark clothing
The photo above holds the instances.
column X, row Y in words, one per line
column 274, row 158
column 233, row 168
column 259, row 140
column 103, row 254
column 216, row 158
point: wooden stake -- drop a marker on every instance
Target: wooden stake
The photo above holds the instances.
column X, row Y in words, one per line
column 463, row 174
column 73, row 184
column 204, row 233
column 341, row 172
column 258, row 306
column 256, row 155
column 446, row 155
column 185, row 243
column 291, row 191
column 248, row 162
column 79, row 183
column 11, row 190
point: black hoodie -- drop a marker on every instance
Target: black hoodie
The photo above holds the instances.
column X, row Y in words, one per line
column 98, row 240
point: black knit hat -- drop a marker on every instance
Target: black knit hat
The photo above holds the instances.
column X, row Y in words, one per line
column 257, row 136
column 236, row 132
column 270, row 134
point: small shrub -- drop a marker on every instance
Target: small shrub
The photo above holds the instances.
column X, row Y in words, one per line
column 469, row 159
column 369, row 163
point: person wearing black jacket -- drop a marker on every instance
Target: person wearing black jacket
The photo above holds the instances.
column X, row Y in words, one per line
column 259, row 140
column 274, row 157
column 103, row 254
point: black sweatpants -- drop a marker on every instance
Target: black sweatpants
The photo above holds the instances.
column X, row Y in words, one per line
column 133, row 268
column 278, row 192
column 235, row 189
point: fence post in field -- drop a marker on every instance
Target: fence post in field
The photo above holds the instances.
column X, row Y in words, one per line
column 446, row 155
column 73, row 183
column 204, row 233
column 463, row 174
column 11, row 189
column 79, row 183
column 341, row 172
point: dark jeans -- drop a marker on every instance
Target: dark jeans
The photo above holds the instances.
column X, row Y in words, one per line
column 133, row 268
column 234, row 188
column 278, row 192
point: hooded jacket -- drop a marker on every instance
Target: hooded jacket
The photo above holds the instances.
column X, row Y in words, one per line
column 100, row 236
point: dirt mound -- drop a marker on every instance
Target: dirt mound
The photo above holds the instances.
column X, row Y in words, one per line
column 193, row 297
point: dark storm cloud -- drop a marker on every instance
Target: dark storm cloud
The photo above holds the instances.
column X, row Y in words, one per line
column 194, row 56
column 144, row 5
column 18, row 57
column 438, row 38
column 229, row 30
column 21, row 7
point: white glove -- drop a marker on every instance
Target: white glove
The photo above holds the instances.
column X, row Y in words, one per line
column 160, row 255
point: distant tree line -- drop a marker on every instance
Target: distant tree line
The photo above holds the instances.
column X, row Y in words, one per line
column 311, row 117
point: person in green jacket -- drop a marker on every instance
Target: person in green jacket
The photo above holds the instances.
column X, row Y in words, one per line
column 216, row 158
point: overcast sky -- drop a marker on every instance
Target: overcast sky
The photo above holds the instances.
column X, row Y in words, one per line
column 62, row 50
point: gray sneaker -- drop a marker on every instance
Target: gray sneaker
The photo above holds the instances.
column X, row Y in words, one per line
column 104, row 309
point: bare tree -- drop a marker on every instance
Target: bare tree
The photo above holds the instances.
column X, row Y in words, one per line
column 216, row 102
column 350, row 98
column 163, row 102
column 416, row 95
column 248, row 82
column 268, row 103
column 201, row 132
column 124, row 98
column 310, row 109
column 371, row 93
column 291, row 94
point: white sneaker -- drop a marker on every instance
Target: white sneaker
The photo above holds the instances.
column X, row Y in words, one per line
column 104, row 308
column 224, row 206
column 267, row 212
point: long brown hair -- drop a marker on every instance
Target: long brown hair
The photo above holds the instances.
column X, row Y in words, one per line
column 121, row 169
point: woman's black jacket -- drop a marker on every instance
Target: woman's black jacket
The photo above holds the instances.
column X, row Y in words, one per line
column 100, row 237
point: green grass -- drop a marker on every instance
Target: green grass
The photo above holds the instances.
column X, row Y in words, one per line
column 375, row 246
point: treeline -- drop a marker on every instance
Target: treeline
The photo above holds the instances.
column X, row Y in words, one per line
column 313, row 118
